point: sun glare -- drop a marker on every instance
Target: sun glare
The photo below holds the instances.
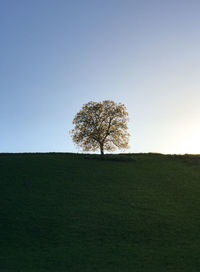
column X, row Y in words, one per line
column 191, row 142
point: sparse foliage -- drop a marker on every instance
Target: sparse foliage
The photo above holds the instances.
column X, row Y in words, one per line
column 101, row 125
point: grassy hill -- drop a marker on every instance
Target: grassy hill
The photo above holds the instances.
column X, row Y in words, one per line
column 68, row 212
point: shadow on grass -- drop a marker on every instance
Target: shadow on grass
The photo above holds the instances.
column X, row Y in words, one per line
column 111, row 157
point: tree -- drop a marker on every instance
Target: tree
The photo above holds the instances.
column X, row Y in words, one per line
column 101, row 125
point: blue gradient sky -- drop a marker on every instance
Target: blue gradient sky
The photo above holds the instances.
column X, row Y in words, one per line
column 56, row 55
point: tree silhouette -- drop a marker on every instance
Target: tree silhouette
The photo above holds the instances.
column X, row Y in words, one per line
column 101, row 125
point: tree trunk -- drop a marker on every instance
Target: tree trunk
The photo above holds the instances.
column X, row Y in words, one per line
column 101, row 149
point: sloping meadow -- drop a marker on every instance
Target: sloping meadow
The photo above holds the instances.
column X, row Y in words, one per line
column 73, row 212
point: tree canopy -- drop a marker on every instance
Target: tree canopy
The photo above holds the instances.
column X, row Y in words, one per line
column 101, row 125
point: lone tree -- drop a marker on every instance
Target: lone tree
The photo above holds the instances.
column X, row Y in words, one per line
column 101, row 125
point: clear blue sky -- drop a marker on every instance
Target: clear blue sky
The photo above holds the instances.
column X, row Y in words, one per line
column 56, row 55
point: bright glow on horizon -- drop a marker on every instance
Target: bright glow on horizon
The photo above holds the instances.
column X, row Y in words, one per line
column 190, row 144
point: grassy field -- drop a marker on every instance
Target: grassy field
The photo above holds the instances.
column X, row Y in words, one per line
column 68, row 212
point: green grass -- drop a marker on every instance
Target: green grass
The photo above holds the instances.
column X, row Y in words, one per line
column 68, row 212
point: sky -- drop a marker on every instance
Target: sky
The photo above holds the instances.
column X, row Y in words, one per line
column 56, row 55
